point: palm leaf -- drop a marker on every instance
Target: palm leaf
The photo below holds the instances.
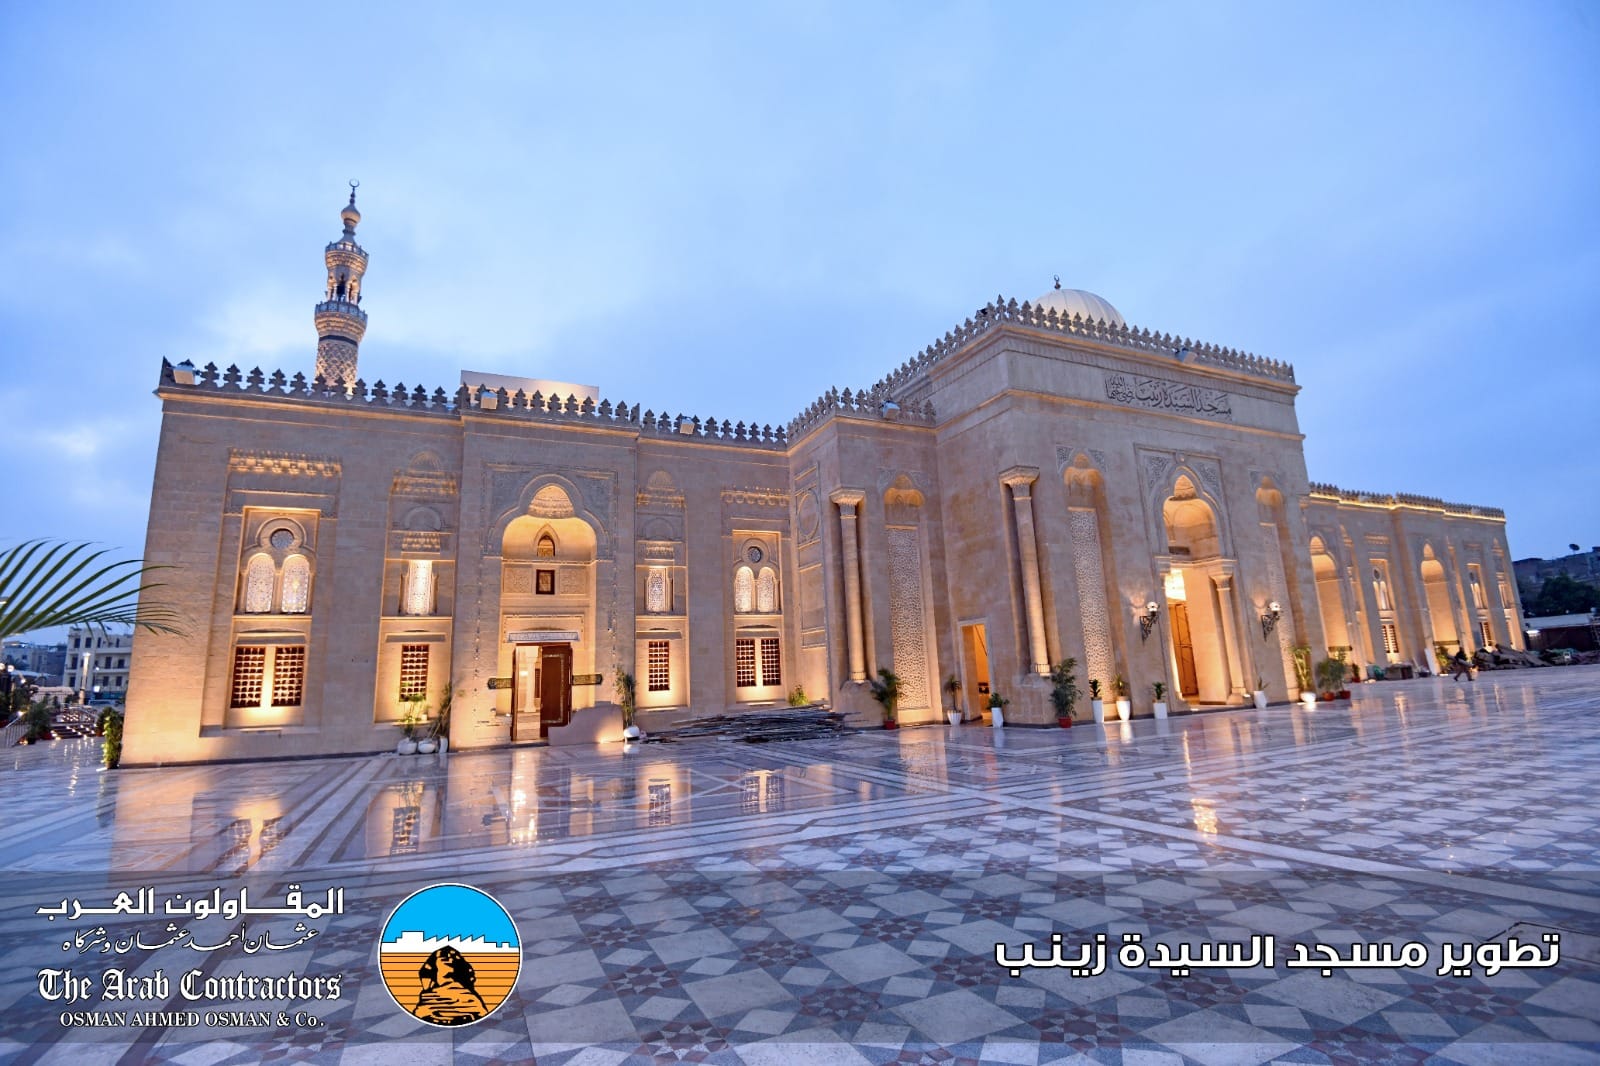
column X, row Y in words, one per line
column 47, row 583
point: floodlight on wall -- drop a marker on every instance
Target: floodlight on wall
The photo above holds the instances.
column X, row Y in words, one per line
column 488, row 400
column 686, row 427
column 890, row 411
column 183, row 373
column 1269, row 619
column 1147, row 621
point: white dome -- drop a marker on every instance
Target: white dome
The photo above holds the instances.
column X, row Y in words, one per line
column 1069, row 302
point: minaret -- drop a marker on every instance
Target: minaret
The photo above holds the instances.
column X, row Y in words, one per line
column 340, row 320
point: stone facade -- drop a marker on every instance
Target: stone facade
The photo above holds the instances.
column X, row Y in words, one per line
column 1021, row 491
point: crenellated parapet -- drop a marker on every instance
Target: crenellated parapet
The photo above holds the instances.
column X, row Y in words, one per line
column 871, row 403
column 492, row 403
column 1403, row 499
column 1004, row 312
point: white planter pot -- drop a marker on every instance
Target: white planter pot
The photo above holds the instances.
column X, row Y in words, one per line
column 1124, row 709
column 444, row 745
column 997, row 717
column 954, row 716
column 427, row 746
column 1260, row 699
column 1308, row 698
column 1098, row 707
column 407, row 746
column 1161, row 708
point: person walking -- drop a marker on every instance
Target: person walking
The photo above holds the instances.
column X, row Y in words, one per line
column 1459, row 665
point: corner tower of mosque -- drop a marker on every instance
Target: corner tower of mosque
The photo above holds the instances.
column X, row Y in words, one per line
column 1043, row 482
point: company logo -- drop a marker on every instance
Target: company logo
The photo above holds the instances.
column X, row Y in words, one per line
column 450, row 955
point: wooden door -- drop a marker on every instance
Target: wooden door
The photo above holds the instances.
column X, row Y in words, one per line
column 555, row 686
column 1183, row 649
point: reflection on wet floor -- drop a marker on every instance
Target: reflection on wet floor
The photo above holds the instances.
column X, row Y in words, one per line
column 230, row 819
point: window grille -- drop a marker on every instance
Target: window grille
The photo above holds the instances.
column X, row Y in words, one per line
column 413, row 671
column 744, row 662
column 655, row 590
column 418, row 599
column 744, row 589
column 771, row 672
column 767, row 591
column 659, row 670
column 249, row 672
column 258, row 581
column 288, row 675
column 296, row 595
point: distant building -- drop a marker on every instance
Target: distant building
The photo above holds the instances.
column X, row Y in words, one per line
column 97, row 658
column 1580, row 566
column 1579, row 632
column 46, row 660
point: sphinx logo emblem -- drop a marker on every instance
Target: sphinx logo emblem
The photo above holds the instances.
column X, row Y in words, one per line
column 450, row 955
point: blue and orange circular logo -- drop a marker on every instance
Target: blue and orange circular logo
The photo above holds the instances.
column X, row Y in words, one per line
column 450, row 954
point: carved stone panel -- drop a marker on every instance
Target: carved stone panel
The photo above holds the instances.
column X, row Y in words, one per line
column 1088, row 566
column 907, row 618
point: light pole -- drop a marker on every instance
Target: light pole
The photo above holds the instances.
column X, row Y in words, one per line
column 5, row 674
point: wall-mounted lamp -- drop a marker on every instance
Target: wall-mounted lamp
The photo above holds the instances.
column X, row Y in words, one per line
column 488, row 400
column 1269, row 619
column 183, row 373
column 1147, row 621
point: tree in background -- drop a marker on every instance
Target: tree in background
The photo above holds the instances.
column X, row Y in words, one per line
column 1561, row 594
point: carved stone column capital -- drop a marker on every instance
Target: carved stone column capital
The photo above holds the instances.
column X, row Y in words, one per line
column 1020, row 478
column 849, row 500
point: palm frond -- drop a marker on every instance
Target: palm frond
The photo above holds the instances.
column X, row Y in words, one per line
column 46, row 583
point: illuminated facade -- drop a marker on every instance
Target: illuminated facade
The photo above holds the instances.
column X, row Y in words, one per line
column 1044, row 481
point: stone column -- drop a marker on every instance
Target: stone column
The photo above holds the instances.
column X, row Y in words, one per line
column 849, row 502
column 1021, row 479
column 1238, row 657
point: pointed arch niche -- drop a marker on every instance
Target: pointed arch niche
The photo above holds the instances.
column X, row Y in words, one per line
column 1436, row 590
column 1199, row 586
column 1088, row 524
column 1330, row 596
column 548, row 560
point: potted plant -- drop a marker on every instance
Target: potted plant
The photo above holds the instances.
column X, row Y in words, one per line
column 1064, row 690
column 1119, row 686
column 1097, row 706
column 1259, row 694
column 1330, row 678
column 952, row 689
column 997, row 709
column 1158, row 689
column 412, row 717
column 113, row 735
column 798, row 697
column 441, row 724
column 626, row 689
column 886, row 690
column 1302, row 673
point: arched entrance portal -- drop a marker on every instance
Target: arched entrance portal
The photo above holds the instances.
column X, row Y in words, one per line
column 546, row 614
column 1330, row 600
column 1201, row 633
column 1443, row 617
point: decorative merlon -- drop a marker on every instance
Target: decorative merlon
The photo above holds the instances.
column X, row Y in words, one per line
column 1403, row 499
column 491, row 404
column 1004, row 312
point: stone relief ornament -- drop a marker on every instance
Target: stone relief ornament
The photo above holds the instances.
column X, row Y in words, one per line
column 1138, row 391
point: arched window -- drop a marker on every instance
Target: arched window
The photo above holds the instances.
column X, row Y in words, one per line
column 744, row 588
column 546, row 548
column 1380, row 588
column 258, row 580
column 417, row 598
column 767, row 591
column 296, row 595
column 655, row 590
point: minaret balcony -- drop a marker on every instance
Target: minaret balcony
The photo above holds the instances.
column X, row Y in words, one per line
column 342, row 307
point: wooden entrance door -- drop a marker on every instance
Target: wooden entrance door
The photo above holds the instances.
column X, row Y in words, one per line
column 1183, row 649
column 555, row 686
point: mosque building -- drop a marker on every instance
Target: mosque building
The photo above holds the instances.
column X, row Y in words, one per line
column 1044, row 481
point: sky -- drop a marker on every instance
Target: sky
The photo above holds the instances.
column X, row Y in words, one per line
column 726, row 209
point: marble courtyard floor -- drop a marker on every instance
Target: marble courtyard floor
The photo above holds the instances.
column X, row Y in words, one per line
column 839, row 900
